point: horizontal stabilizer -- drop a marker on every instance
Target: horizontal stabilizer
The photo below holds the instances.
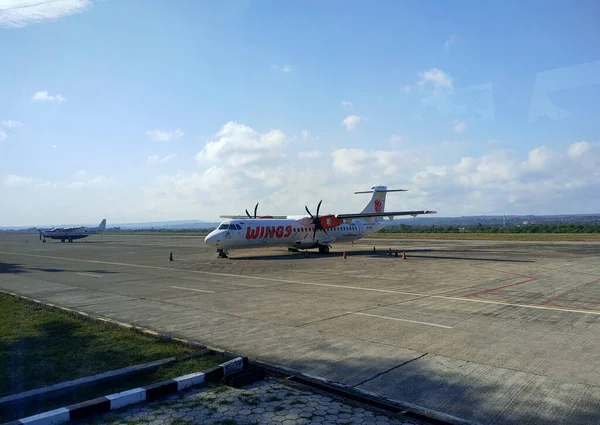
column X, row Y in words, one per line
column 382, row 190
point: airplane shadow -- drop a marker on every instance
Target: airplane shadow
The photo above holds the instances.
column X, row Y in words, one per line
column 20, row 268
column 410, row 253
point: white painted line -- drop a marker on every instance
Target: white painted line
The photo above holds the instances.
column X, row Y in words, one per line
column 88, row 274
column 268, row 279
column 126, row 398
column 403, row 320
column 192, row 289
column 57, row 416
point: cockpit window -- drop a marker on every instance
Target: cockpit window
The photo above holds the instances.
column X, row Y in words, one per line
column 237, row 226
column 224, row 226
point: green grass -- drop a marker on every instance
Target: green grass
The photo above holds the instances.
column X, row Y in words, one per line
column 530, row 237
column 40, row 347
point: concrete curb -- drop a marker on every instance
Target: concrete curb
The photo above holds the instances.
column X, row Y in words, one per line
column 408, row 410
column 136, row 395
column 70, row 385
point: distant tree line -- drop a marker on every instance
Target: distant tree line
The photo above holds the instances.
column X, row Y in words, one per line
column 162, row 230
column 480, row 228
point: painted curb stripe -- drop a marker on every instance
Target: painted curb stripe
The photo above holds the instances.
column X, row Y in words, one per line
column 189, row 380
column 161, row 389
column 90, row 407
column 57, row 416
column 213, row 375
column 233, row 365
column 126, row 398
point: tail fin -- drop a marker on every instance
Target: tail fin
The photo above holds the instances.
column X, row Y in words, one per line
column 377, row 202
column 102, row 226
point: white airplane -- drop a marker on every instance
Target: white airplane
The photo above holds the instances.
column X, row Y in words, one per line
column 72, row 233
column 302, row 232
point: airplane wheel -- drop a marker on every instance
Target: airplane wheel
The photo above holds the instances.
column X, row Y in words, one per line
column 44, row 241
column 324, row 250
column 70, row 240
column 62, row 240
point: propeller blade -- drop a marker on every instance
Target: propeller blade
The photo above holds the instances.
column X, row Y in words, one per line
column 247, row 213
column 308, row 212
column 255, row 209
column 319, row 207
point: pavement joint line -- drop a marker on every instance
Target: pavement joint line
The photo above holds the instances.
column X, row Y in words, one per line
column 377, row 375
column 314, row 284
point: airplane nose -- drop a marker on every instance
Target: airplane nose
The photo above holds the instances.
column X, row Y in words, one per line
column 211, row 239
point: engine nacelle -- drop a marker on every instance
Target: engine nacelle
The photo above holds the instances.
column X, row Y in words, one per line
column 330, row 221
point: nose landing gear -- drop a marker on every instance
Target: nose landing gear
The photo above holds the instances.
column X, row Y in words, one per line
column 223, row 252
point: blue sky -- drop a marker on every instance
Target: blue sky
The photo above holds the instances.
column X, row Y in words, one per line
column 157, row 110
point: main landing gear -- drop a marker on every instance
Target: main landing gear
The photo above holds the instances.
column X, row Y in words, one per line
column 323, row 249
column 223, row 253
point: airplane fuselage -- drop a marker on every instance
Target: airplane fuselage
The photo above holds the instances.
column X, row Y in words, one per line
column 68, row 234
column 254, row 233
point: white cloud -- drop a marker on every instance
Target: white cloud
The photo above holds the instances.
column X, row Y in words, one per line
column 285, row 68
column 12, row 124
column 309, row 155
column 347, row 104
column 407, row 89
column 81, row 180
column 459, row 126
column 43, row 96
column 351, row 121
column 436, row 79
column 13, row 180
column 546, row 182
column 305, row 134
column 164, row 136
column 354, row 161
column 240, row 146
column 19, row 13
column 3, row 135
column 578, row 149
column 395, row 139
column 450, row 42
column 156, row 159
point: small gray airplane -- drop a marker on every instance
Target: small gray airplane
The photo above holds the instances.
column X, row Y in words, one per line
column 71, row 233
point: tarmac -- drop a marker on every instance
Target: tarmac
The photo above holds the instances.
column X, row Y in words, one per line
column 483, row 331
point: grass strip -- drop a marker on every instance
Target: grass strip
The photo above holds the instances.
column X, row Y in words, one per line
column 41, row 347
column 525, row 237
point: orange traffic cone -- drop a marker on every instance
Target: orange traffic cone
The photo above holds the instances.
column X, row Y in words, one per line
column 404, row 255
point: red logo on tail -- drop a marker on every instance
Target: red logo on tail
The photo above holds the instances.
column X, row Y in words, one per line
column 378, row 205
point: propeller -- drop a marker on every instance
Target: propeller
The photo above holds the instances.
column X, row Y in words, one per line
column 255, row 209
column 315, row 220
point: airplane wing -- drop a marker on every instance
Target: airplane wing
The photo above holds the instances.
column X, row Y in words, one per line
column 70, row 229
column 246, row 217
column 390, row 214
